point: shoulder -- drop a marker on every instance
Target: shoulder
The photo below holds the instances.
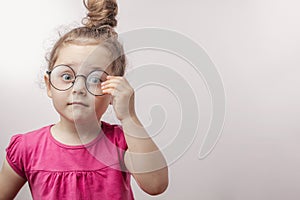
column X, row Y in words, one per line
column 114, row 132
column 21, row 147
column 30, row 138
column 111, row 127
column 36, row 135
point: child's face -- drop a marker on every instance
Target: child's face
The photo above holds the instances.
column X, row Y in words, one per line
column 77, row 104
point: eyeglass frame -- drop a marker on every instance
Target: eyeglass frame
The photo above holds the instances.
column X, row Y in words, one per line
column 75, row 77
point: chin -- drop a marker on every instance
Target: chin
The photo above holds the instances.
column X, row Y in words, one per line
column 80, row 120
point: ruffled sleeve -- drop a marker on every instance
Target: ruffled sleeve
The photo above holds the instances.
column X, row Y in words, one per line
column 121, row 143
column 120, row 138
column 15, row 155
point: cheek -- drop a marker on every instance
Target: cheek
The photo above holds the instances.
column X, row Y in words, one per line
column 58, row 104
column 101, row 103
column 58, row 99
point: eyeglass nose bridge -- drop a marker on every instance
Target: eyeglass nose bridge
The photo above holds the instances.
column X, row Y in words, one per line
column 83, row 76
column 75, row 78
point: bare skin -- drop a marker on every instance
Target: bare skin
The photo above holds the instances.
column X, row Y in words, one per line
column 10, row 182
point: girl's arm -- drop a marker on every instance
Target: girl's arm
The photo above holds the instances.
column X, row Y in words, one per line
column 143, row 158
column 10, row 182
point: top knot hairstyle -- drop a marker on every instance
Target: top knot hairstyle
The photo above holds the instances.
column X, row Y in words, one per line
column 98, row 29
column 101, row 12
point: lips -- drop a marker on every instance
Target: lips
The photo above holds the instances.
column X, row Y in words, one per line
column 78, row 103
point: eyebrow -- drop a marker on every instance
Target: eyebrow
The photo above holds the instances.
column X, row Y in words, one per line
column 92, row 67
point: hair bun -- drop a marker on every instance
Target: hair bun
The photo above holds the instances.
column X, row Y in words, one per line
column 100, row 12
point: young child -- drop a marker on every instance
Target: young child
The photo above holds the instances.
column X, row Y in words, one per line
column 81, row 156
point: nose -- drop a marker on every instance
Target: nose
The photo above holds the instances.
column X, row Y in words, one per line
column 79, row 85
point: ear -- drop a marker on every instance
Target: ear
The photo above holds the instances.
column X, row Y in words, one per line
column 47, row 82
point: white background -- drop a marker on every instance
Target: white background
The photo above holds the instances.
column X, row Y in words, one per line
column 255, row 46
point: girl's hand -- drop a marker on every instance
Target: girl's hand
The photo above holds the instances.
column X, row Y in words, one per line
column 122, row 94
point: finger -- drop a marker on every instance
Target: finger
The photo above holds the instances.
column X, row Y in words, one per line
column 109, row 91
column 116, row 84
column 121, row 81
column 114, row 77
column 105, row 84
column 111, row 81
column 109, row 85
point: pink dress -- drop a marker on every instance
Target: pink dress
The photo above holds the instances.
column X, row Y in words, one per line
column 58, row 171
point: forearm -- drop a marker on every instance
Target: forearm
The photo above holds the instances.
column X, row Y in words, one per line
column 143, row 158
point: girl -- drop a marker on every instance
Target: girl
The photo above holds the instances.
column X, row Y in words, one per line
column 80, row 156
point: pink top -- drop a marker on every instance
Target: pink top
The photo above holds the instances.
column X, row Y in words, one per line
column 58, row 171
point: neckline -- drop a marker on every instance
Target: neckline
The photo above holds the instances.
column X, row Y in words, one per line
column 82, row 146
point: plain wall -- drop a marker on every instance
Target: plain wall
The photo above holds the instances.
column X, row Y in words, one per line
column 255, row 47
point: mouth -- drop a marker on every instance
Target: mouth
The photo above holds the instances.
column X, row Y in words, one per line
column 77, row 103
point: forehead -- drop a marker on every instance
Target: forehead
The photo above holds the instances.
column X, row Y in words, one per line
column 84, row 57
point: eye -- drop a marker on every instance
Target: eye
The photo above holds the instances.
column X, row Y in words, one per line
column 94, row 80
column 67, row 77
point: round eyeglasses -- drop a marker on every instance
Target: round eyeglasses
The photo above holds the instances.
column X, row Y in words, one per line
column 63, row 77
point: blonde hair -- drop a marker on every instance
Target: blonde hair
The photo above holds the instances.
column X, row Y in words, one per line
column 98, row 29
